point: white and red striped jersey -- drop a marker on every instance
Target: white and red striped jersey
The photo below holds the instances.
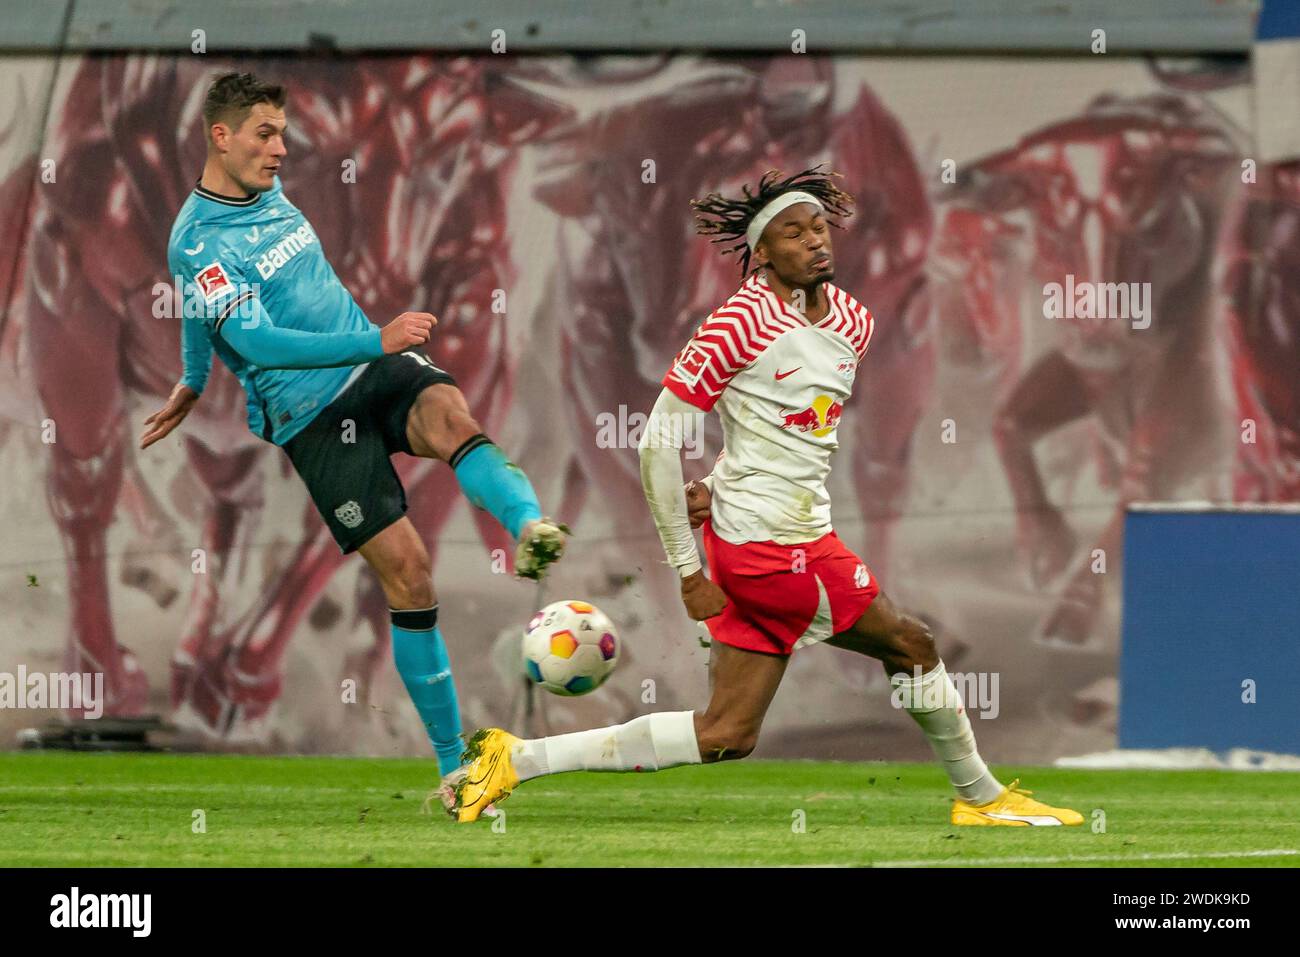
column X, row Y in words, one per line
column 779, row 384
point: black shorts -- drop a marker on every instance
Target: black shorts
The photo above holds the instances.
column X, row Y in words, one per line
column 343, row 453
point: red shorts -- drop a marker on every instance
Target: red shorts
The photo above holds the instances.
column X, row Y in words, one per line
column 782, row 597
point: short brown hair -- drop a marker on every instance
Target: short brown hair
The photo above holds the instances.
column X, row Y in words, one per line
column 232, row 96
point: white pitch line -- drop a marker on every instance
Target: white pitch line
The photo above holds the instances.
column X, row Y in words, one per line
column 1072, row 858
column 141, row 788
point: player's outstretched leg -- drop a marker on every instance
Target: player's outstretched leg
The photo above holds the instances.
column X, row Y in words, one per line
column 906, row 648
column 440, row 426
column 401, row 561
column 744, row 683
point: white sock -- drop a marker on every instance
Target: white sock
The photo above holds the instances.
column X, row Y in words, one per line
column 651, row 742
column 932, row 700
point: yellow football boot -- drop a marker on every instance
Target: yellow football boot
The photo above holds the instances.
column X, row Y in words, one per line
column 445, row 793
column 1013, row 808
column 490, row 776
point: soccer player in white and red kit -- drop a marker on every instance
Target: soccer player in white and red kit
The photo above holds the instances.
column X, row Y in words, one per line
column 777, row 361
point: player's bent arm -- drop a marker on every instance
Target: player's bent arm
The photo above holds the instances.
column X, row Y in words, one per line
column 263, row 344
column 661, row 477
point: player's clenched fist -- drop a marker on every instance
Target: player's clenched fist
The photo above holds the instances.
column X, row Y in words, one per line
column 702, row 598
column 698, row 501
column 408, row 329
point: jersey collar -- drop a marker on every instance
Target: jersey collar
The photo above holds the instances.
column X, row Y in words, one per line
column 223, row 199
column 759, row 279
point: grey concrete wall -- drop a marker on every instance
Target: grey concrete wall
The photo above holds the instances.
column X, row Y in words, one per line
column 827, row 25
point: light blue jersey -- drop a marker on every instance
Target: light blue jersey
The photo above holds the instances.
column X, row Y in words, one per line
column 269, row 304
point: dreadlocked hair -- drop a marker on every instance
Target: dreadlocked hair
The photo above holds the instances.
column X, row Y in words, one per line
column 728, row 219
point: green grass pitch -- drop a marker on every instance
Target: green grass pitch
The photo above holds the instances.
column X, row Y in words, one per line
column 62, row 809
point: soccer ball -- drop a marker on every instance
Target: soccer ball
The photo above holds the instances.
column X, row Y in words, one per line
column 570, row 648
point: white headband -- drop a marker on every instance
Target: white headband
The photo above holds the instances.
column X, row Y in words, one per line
column 768, row 213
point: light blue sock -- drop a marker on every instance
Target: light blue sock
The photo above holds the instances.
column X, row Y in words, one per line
column 422, row 661
column 491, row 481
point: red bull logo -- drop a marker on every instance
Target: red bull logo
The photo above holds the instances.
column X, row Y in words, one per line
column 820, row 418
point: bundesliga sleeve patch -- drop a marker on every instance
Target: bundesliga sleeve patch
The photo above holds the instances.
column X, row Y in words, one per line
column 691, row 364
column 214, row 283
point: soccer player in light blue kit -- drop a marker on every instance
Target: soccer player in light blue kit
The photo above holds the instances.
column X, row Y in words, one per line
column 336, row 392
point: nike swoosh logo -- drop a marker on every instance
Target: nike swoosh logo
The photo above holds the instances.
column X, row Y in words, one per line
column 1038, row 819
column 782, row 375
column 496, row 758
